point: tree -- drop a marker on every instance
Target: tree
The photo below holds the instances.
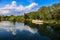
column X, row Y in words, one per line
column 56, row 14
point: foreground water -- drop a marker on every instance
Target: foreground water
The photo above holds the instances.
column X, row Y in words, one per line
column 19, row 31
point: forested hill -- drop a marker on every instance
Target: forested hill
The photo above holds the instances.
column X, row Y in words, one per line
column 46, row 13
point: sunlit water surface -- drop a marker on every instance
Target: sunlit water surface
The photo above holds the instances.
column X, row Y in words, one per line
column 19, row 31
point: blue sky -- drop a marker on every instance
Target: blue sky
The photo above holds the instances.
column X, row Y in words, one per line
column 27, row 2
column 31, row 5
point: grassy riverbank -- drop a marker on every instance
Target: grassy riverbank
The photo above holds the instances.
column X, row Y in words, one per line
column 52, row 21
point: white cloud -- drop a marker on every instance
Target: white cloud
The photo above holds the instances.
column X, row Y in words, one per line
column 13, row 4
column 10, row 9
column 32, row 5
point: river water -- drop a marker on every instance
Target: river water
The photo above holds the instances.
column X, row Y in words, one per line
column 19, row 31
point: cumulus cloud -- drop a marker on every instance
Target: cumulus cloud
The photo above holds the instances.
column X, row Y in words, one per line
column 12, row 8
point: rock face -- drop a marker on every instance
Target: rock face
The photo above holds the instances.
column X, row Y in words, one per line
column 37, row 21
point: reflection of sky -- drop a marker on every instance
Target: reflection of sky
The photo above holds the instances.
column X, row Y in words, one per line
column 10, row 27
column 21, row 32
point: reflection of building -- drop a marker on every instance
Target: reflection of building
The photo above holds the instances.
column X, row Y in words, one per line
column 37, row 21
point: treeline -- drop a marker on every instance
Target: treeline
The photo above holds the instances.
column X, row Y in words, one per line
column 44, row 13
column 12, row 18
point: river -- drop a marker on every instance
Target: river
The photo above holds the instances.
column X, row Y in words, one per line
column 19, row 31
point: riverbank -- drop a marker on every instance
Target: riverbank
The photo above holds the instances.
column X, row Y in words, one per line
column 45, row 21
column 52, row 21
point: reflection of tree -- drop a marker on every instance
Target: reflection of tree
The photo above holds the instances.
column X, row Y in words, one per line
column 14, row 20
column 25, row 18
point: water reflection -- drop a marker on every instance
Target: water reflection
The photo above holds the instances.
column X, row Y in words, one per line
column 9, row 31
column 19, row 26
column 49, row 27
